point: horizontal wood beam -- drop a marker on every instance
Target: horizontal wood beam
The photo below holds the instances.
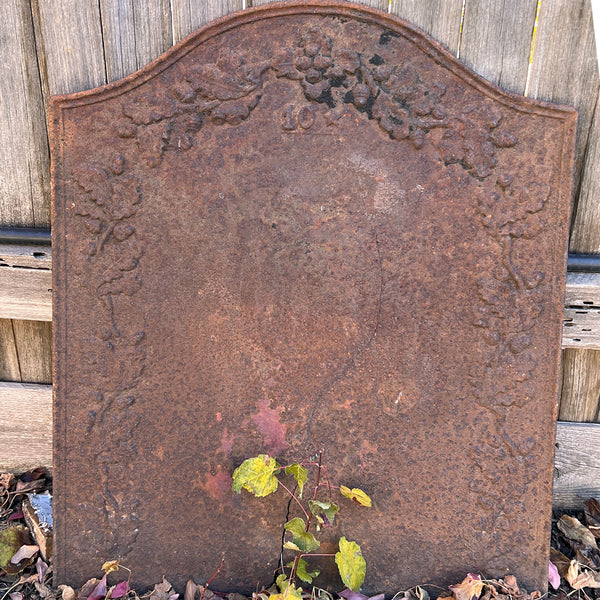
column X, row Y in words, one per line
column 26, row 442
column 26, row 426
column 26, row 282
column 581, row 324
column 576, row 464
column 26, row 293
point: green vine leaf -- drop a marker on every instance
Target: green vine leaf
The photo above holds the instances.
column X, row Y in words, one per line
column 351, row 564
column 300, row 474
column 301, row 571
column 257, row 476
column 356, row 495
column 304, row 541
column 288, row 590
column 291, row 546
column 324, row 511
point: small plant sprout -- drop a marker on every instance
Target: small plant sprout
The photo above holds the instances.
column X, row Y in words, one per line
column 262, row 476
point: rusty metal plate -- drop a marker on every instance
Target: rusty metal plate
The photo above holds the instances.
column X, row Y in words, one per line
column 307, row 226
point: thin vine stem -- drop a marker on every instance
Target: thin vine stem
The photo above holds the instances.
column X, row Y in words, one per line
column 295, row 498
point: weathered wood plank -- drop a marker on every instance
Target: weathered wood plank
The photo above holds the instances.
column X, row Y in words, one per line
column 34, row 347
column 581, row 327
column 380, row 4
column 564, row 69
column 582, row 303
column 583, row 289
column 580, row 385
column 582, row 311
column 576, row 464
column 9, row 359
column 585, row 229
column 24, row 157
column 25, row 293
column 134, row 33
column 69, row 44
column 26, row 425
column 496, row 40
column 439, row 18
column 17, row 255
column 188, row 15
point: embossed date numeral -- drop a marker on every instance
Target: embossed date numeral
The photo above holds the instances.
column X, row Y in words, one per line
column 297, row 118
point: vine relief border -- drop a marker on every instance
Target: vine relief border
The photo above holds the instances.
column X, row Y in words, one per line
column 108, row 199
column 393, row 96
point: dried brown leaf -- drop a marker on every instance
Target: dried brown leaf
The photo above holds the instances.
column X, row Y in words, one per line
column 561, row 562
column 25, row 487
column 67, row 592
column 589, row 579
column 573, row 529
column 586, row 557
column 469, row 589
column 190, row 590
column 6, row 480
column 572, row 572
column 25, row 552
column 592, row 516
column 88, row 587
column 162, row 591
column 43, row 590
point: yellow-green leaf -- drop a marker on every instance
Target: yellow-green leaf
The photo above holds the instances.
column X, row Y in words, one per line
column 257, row 476
column 324, row 511
column 110, row 565
column 356, row 495
column 304, row 540
column 301, row 571
column 288, row 590
column 291, row 546
column 351, row 564
column 11, row 539
column 299, row 473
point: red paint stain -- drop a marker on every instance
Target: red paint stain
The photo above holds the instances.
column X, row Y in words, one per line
column 226, row 442
column 217, row 486
column 272, row 429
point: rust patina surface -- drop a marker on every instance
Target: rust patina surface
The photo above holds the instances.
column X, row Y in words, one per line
column 307, row 226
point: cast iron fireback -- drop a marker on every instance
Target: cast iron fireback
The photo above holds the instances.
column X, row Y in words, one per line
column 307, row 226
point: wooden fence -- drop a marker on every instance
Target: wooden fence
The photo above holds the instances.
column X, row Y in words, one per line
column 59, row 46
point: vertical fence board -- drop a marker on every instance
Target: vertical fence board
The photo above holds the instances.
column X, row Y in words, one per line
column 9, row 359
column 564, row 67
column 581, row 386
column 439, row 18
column 69, row 37
column 24, row 157
column 585, row 229
column 188, row 15
column 380, row 4
column 496, row 40
column 565, row 70
column 135, row 33
column 26, row 425
column 34, row 352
